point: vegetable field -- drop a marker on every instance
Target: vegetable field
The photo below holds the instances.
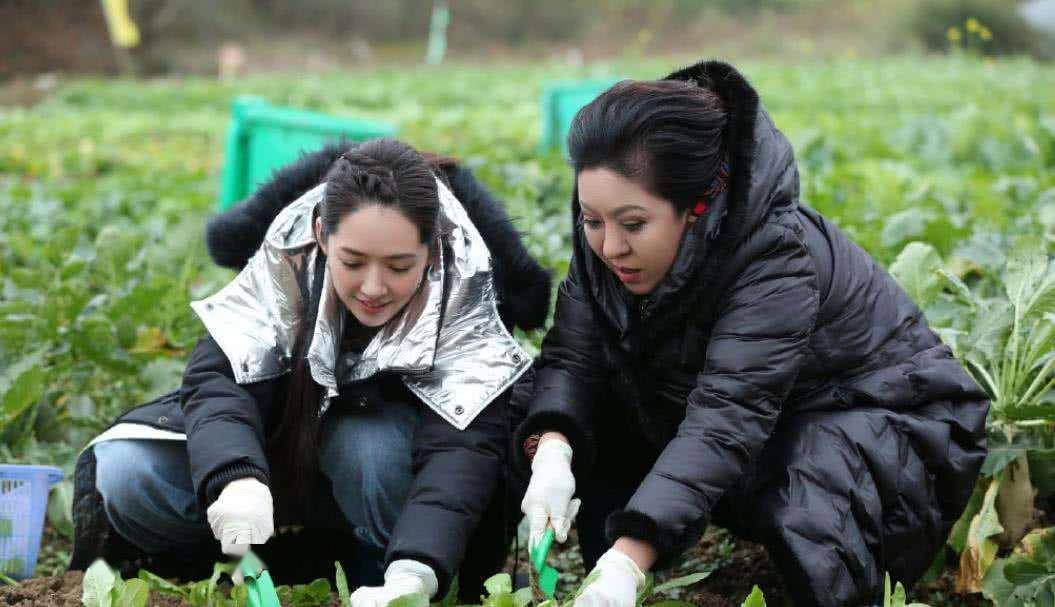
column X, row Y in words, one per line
column 942, row 168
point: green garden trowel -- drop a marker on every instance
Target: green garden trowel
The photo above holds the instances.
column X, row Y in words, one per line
column 547, row 575
column 258, row 581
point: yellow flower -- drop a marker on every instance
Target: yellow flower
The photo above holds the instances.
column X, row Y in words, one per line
column 953, row 34
column 973, row 25
column 985, row 34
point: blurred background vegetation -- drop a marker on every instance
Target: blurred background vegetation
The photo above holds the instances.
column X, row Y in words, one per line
column 186, row 36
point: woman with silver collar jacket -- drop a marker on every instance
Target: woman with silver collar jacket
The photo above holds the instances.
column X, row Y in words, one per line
column 356, row 377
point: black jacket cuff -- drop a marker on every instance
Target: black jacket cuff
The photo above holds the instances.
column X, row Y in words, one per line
column 630, row 523
column 219, row 479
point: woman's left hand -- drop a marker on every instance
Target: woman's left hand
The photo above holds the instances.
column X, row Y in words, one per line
column 402, row 577
column 618, row 582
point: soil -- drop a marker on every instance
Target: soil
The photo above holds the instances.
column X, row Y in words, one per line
column 58, row 591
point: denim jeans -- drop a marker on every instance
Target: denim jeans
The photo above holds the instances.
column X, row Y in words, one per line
column 365, row 454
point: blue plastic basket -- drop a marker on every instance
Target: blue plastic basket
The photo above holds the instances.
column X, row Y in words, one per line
column 23, row 504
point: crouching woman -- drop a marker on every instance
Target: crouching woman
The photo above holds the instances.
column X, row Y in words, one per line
column 721, row 351
column 356, row 373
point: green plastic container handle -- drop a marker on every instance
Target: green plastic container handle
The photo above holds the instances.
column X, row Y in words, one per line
column 547, row 575
column 258, row 582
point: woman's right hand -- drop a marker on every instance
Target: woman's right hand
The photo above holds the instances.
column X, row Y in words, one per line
column 549, row 494
column 242, row 515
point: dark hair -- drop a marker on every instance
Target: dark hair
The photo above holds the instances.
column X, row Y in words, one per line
column 384, row 172
column 664, row 135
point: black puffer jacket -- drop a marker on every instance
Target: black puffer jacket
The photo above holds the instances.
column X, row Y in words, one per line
column 458, row 473
column 769, row 313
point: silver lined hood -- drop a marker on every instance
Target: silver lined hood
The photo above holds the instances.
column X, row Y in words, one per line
column 448, row 343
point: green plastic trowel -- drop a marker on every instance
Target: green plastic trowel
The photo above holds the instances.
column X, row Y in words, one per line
column 547, row 575
column 258, row 581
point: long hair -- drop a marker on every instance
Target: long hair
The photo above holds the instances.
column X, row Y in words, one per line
column 382, row 172
column 664, row 135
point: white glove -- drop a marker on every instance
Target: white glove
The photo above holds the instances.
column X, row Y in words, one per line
column 402, row 577
column 549, row 494
column 242, row 515
column 617, row 585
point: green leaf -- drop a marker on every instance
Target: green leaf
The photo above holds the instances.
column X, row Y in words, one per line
column 1027, row 577
column 6, row 527
column 1026, row 267
column 522, row 597
column 199, row 594
column 320, row 591
column 680, row 582
column 60, row 508
column 160, row 584
column 315, row 594
column 648, row 588
column 905, row 225
column 498, row 584
column 342, row 585
column 995, row 586
column 755, row 599
column 958, row 535
column 999, row 457
column 22, row 384
column 417, row 599
column 98, row 581
column 135, row 593
column 915, row 269
column 1022, row 572
column 15, row 565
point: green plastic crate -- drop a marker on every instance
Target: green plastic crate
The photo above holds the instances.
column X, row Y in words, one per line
column 263, row 137
column 560, row 102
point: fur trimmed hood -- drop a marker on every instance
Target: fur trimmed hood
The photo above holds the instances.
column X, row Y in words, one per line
column 522, row 284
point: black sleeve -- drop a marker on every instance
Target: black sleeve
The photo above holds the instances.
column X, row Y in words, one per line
column 456, row 473
column 753, row 357
column 225, row 422
column 568, row 377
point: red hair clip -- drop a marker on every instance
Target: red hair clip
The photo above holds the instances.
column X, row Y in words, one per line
column 700, row 208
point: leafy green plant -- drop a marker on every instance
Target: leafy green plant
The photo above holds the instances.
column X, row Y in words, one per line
column 1006, row 336
column 1004, row 331
column 342, row 585
column 102, row 587
column 755, row 599
column 896, row 597
column 1026, row 577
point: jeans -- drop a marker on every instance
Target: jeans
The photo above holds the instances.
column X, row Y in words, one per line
column 365, row 454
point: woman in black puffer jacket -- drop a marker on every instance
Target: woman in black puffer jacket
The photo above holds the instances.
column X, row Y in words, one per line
column 722, row 352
